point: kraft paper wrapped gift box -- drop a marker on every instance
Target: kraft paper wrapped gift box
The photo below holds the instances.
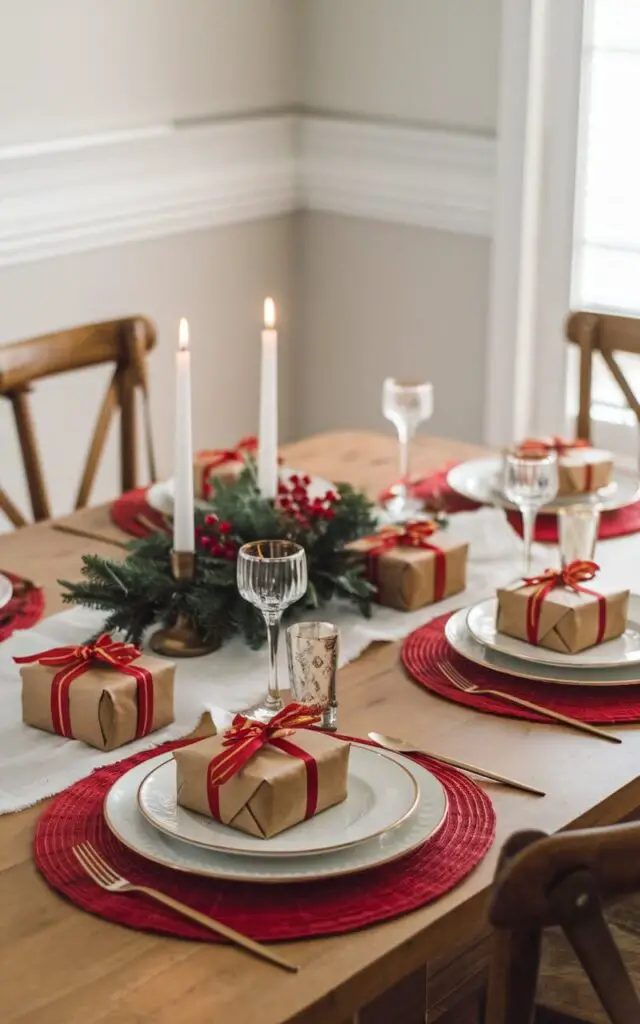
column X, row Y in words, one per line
column 102, row 701
column 408, row 577
column 270, row 793
column 568, row 622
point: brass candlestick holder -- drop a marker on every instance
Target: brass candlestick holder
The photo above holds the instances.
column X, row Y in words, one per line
column 182, row 639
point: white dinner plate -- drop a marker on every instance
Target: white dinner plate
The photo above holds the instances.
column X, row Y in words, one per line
column 160, row 495
column 462, row 640
column 123, row 817
column 381, row 795
column 624, row 650
column 480, row 480
column 6, row 590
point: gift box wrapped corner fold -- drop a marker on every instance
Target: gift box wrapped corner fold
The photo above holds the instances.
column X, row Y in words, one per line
column 224, row 464
column 581, row 468
column 106, row 693
column 413, row 565
column 556, row 610
column 264, row 778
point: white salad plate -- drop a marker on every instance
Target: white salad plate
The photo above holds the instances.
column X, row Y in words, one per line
column 464, row 643
column 6, row 590
column 123, row 817
column 480, row 480
column 381, row 794
column 624, row 650
column 160, row 495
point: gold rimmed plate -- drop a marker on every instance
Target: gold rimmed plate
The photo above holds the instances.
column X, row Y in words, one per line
column 125, row 821
column 382, row 793
column 464, row 643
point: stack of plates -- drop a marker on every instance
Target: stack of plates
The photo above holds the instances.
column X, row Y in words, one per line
column 480, row 480
column 393, row 806
column 472, row 633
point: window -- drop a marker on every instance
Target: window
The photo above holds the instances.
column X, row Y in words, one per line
column 606, row 264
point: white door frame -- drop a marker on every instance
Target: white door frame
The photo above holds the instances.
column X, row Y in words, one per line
column 540, row 79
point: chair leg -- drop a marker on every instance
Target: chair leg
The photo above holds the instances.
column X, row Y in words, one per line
column 577, row 903
column 513, row 973
column 30, row 457
column 128, row 459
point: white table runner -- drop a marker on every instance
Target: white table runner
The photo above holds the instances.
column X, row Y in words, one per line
column 35, row 764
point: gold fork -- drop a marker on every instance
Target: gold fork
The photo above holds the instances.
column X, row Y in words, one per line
column 107, row 878
column 461, row 683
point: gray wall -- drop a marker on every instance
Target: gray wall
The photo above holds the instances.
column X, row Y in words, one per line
column 382, row 299
column 427, row 61
column 75, row 66
column 389, row 300
column 220, row 277
column 72, row 66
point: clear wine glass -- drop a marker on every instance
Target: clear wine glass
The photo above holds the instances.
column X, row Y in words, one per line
column 530, row 482
column 406, row 406
column 272, row 574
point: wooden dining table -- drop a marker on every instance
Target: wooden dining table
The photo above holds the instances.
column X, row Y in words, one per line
column 59, row 965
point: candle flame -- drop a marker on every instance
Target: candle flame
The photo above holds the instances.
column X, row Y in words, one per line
column 269, row 313
column 183, row 334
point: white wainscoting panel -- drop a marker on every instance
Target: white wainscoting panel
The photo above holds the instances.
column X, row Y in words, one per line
column 69, row 195
column 434, row 179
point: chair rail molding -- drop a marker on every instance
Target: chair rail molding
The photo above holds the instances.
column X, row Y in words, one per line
column 85, row 193
column 71, row 195
column 434, row 179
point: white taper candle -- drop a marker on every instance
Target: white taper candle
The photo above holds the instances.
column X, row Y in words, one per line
column 268, row 436
column 183, row 527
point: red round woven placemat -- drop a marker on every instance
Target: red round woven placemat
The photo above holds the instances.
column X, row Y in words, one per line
column 425, row 649
column 435, row 491
column 23, row 610
column 126, row 510
column 266, row 912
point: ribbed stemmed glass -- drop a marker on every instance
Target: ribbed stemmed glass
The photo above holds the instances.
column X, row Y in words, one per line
column 530, row 482
column 272, row 574
column 406, row 406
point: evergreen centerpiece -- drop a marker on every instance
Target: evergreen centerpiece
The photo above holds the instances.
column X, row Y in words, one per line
column 141, row 590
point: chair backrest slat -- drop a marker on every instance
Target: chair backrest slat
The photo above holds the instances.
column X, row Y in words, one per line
column 561, row 880
column 606, row 333
column 125, row 343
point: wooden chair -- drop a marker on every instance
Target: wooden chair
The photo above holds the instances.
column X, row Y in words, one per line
column 125, row 343
column 607, row 334
column 561, row 880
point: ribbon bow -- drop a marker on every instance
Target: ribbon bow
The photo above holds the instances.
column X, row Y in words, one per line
column 74, row 661
column 217, row 457
column 415, row 533
column 246, row 737
column 412, row 534
column 573, row 575
column 533, row 445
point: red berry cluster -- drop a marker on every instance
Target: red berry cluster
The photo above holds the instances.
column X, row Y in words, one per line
column 214, row 538
column 294, row 501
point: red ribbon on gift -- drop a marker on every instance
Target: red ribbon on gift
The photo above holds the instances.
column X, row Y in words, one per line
column 413, row 534
column 573, row 575
column 75, row 661
column 542, row 446
column 246, row 737
column 217, row 457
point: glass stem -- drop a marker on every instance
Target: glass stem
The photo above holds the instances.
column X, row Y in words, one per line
column 528, row 522
column 272, row 620
column 404, row 436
